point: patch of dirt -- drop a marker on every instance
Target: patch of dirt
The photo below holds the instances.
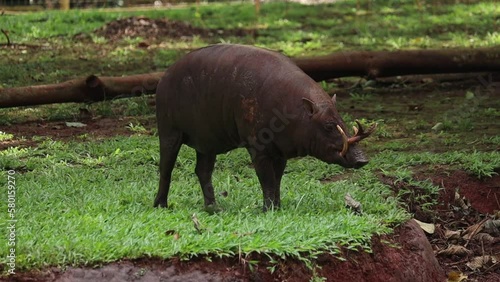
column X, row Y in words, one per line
column 482, row 194
column 58, row 130
column 464, row 208
column 19, row 46
column 477, row 202
column 158, row 28
column 412, row 260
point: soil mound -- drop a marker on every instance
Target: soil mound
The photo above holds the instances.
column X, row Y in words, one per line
column 158, row 28
column 412, row 261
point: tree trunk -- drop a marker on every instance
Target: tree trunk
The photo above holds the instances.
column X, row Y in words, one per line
column 362, row 63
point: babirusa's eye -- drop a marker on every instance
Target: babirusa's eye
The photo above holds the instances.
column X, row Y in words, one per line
column 329, row 126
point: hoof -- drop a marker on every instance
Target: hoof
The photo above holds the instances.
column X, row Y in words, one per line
column 213, row 208
column 271, row 207
column 157, row 204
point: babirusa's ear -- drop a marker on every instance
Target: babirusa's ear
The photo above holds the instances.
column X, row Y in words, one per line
column 334, row 99
column 310, row 106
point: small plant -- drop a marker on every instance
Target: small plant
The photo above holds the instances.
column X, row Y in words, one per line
column 396, row 145
column 359, row 97
column 316, row 277
column 61, row 112
column 137, row 128
column 491, row 112
column 328, row 86
column 482, row 166
column 400, row 174
column 495, row 140
column 104, row 108
column 136, row 106
column 133, row 40
column 5, row 136
column 98, row 39
column 451, row 139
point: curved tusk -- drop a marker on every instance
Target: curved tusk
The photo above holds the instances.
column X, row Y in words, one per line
column 353, row 139
column 372, row 128
column 345, row 141
column 360, row 133
column 355, row 130
column 361, row 130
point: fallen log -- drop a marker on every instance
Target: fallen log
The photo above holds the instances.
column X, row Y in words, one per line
column 375, row 64
column 90, row 89
column 372, row 64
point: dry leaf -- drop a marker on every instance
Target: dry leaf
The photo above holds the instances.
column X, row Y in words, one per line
column 482, row 262
column 460, row 201
column 496, row 215
column 492, row 227
column 429, row 228
column 486, row 238
column 170, row 232
column 472, row 230
column 452, row 234
column 75, row 124
column 173, row 233
column 455, row 250
column 196, row 223
column 455, row 276
column 353, row 204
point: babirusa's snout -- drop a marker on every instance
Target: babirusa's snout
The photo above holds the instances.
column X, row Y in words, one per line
column 356, row 157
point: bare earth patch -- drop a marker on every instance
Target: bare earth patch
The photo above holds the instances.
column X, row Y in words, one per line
column 465, row 206
column 58, row 130
column 159, row 28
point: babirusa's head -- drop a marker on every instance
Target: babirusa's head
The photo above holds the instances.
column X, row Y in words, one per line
column 329, row 139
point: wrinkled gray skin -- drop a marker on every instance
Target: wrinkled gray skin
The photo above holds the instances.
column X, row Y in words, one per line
column 222, row 97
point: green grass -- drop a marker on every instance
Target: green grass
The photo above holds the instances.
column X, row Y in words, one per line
column 480, row 164
column 91, row 202
column 291, row 28
column 85, row 203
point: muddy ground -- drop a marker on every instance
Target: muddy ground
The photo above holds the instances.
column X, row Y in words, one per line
column 416, row 257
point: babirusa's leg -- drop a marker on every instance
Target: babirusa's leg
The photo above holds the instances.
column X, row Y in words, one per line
column 170, row 143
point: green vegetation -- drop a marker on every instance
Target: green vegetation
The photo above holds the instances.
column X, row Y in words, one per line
column 88, row 202
column 291, row 28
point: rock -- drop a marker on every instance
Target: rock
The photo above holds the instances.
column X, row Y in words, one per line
column 412, row 261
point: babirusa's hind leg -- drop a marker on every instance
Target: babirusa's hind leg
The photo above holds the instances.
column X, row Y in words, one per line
column 204, row 168
column 170, row 143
